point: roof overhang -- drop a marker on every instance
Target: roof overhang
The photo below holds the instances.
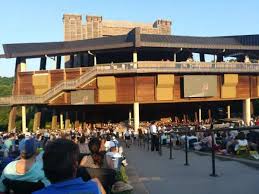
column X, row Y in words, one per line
column 226, row 45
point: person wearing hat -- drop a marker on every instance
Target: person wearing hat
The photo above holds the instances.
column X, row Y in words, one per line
column 27, row 168
column 113, row 157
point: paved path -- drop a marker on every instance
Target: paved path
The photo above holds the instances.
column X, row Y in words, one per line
column 151, row 173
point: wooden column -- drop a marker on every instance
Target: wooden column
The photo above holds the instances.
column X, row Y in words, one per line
column 36, row 121
column 54, row 120
column 12, row 118
column 209, row 115
column 67, row 121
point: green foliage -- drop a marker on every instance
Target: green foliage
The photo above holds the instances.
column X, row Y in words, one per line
column 6, row 85
column 121, row 175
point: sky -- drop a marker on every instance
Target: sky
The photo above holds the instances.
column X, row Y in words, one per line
column 24, row 21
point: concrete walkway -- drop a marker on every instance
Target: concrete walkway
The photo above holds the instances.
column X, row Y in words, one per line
column 151, row 173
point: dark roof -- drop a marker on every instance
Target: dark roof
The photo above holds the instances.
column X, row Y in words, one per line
column 245, row 42
column 55, row 48
column 232, row 44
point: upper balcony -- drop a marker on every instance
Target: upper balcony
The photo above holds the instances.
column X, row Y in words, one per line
column 179, row 67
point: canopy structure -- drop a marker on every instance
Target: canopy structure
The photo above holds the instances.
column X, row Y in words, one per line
column 226, row 45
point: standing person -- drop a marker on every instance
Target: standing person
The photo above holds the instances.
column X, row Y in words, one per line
column 154, row 137
column 127, row 137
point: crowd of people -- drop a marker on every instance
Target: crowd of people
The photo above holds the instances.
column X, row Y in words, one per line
column 57, row 161
column 199, row 137
column 53, row 161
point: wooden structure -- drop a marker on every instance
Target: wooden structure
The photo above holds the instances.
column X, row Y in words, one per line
column 131, row 69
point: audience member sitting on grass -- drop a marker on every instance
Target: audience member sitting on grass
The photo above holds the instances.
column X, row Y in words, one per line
column 241, row 144
column 60, row 163
column 27, row 168
column 96, row 159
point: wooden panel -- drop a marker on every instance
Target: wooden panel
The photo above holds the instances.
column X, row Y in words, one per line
column 106, row 95
column 164, row 93
column 228, row 92
column 253, row 86
column 243, row 89
column 72, row 73
column 145, row 88
column 125, row 89
column 91, row 85
column 177, row 87
column 106, row 82
column 56, row 77
column 41, row 83
column 67, row 98
column 25, row 82
column 230, row 79
column 59, row 100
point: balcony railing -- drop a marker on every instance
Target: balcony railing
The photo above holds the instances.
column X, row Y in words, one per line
column 140, row 67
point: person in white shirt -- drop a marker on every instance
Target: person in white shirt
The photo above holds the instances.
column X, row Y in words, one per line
column 127, row 137
column 113, row 157
column 154, row 137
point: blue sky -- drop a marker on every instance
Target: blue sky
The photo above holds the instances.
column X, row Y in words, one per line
column 41, row 20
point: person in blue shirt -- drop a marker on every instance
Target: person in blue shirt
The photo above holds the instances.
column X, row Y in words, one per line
column 27, row 168
column 60, row 163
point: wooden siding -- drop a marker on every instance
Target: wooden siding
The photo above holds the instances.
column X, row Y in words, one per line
column 59, row 100
column 145, row 86
column 72, row 73
column 125, row 89
column 25, row 83
column 253, row 83
column 177, row 87
column 243, row 87
column 56, row 77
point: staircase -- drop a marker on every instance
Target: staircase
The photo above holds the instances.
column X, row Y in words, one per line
column 62, row 86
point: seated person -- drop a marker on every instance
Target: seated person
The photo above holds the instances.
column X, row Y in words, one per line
column 83, row 146
column 96, row 159
column 27, row 168
column 240, row 141
column 113, row 157
column 60, row 163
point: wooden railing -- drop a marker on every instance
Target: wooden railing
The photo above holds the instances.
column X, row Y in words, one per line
column 140, row 67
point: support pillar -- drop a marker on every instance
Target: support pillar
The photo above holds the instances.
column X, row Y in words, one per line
column 209, row 115
column 135, row 59
column 228, row 112
column 12, row 118
column 84, row 121
column 136, row 116
column 36, row 121
column 247, row 111
column 130, row 118
column 54, row 120
column 24, row 128
column 95, row 60
column 196, row 116
column 199, row 115
column 202, row 57
column 61, row 121
column 67, row 122
column 252, row 108
column 77, row 124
